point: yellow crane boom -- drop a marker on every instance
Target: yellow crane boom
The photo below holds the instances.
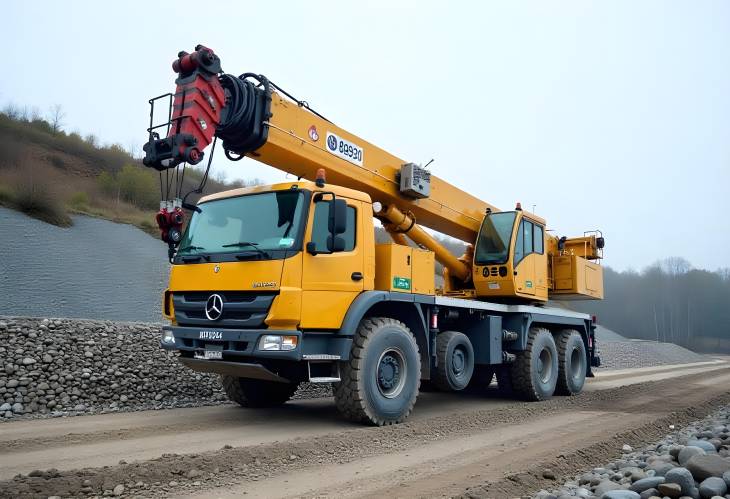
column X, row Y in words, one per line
column 297, row 143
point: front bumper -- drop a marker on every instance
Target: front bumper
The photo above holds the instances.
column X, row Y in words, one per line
column 241, row 345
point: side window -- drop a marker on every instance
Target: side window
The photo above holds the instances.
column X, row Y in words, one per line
column 320, row 229
column 539, row 240
column 528, row 237
column 520, row 243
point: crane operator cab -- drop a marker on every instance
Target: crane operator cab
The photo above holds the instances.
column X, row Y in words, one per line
column 514, row 257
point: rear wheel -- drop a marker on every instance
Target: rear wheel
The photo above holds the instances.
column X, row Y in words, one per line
column 257, row 393
column 379, row 385
column 455, row 361
column 534, row 373
column 572, row 362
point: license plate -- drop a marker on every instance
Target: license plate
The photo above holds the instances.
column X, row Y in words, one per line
column 211, row 352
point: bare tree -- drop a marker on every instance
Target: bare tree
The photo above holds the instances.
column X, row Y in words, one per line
column 132, row 148
column 56, row 115
column 675, row 265
column 11, row 111
column 35, row 114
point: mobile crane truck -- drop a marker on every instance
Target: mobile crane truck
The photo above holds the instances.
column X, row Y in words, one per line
column 274, row 285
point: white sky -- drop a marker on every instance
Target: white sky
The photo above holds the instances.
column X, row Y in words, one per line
column 611, row 115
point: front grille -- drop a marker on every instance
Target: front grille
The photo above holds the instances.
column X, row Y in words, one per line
column 241, row 309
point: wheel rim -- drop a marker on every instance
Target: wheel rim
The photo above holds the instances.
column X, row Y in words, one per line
column 458, row 362
column 545, row 365
column 576, row 363
column 391, row 373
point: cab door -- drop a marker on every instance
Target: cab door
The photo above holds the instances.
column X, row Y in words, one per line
column 524, row 258
column 331, row 281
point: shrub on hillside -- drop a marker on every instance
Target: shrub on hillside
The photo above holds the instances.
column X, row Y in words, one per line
column 133, row 184
column 35, row 198
column 79, row 201
column 40, row 132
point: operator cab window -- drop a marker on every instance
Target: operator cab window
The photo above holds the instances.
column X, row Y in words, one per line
column 539, row 240
column 320, row 227
column 530, row 239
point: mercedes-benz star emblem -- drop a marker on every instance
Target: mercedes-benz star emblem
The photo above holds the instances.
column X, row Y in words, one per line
column 214, row 307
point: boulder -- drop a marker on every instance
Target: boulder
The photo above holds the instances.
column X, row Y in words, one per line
column 672, row 490
column 704, row 445
column 647, row 483
column 689, row 452
column 708, row 465
column 606, row 486
column 682, row 477
column 649, row 494
column 620, row 494
column 713, row 486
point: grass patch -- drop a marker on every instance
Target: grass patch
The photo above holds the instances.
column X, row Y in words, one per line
column 79, row 201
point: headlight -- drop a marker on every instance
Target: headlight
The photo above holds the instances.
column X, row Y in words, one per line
column 273, row 342
column 167, row 337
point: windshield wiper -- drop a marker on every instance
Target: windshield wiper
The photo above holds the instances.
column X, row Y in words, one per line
column 239, row 244
column 242, row 244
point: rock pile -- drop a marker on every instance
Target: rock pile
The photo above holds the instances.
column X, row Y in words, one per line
column 630, row 354
column 59, row 367
column 692, row 463
column 65, row 366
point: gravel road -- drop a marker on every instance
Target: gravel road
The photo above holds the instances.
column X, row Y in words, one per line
column 453, row 444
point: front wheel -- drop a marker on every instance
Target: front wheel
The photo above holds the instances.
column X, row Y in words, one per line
column 379, row 385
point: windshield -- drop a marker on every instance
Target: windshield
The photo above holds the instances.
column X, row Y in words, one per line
column 494, row 238
column 253, row 223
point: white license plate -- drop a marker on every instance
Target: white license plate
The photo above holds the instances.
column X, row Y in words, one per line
column 209, row 355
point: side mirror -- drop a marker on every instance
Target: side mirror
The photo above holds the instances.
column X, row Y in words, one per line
column 338, row 217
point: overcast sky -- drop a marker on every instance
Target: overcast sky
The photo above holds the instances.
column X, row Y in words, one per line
column 611, row 115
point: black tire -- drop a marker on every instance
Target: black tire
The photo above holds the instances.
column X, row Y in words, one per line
column 257, row 393
column 572, row 362
column 535, row 371
column 379, row 385
column 455, row 361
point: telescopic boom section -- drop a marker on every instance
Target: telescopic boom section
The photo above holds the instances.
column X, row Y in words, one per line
column 299, row 142
column 261, row 123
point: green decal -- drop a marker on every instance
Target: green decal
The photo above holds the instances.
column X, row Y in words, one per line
column 528, row 284
column 401, row 283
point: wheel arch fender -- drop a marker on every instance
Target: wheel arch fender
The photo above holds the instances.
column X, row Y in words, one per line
column 399, row 306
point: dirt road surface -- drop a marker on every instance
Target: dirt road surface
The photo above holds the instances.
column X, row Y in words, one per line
column 452, row 445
